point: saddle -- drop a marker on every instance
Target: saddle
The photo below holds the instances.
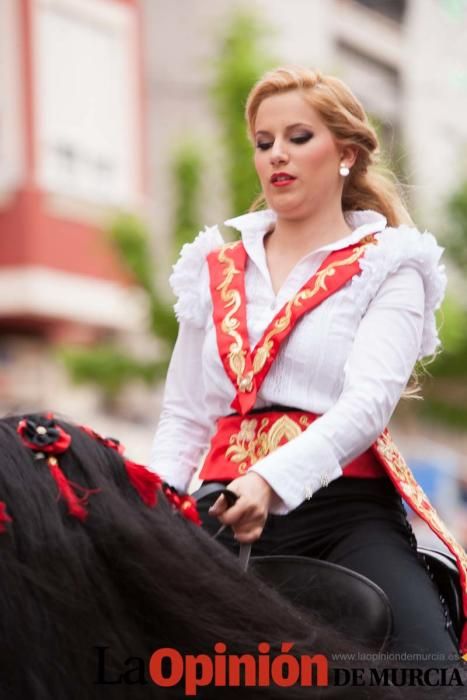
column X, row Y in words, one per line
column 352, row 603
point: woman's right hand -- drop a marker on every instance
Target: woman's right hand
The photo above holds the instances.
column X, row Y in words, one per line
column 249, row 513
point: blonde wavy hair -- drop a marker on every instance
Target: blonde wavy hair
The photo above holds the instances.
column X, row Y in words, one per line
column 369, row 185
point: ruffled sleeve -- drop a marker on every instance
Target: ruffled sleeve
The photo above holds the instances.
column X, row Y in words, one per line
column 190, row 279
column 400, row 247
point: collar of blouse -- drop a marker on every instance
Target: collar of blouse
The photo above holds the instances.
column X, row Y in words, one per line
column 254, row 226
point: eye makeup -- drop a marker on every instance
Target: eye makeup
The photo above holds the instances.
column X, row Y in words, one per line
column 298, row 139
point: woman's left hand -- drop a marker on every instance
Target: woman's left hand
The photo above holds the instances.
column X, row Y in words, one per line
column 248, row 515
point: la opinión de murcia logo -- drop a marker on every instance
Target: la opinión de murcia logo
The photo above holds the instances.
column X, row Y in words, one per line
column 168, row 668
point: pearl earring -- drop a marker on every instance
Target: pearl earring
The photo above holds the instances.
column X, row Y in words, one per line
column 344, row 170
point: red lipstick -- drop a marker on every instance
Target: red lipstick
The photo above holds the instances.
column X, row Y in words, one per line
column 282, row 179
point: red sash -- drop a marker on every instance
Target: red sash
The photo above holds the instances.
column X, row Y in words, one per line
column 247, row 370
column 239, row 442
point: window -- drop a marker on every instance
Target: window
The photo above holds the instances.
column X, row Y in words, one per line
column 11, row 159
column 394, row 9
column 87, row 99
column 377, row 84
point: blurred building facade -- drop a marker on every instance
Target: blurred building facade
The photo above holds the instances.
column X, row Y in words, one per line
column 405, row 59
column 72, row 147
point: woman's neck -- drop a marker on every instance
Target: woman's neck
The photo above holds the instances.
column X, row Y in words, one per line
column 305, row 235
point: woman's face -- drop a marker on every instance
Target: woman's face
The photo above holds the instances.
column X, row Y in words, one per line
column 296, row 156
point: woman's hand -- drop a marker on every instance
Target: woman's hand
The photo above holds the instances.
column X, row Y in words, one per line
column 247, row 516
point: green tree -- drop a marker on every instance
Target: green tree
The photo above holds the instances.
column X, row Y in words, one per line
column 107, row 365
column 457, row 226
column 242, row 59
column 187, row 173
column 446, row 392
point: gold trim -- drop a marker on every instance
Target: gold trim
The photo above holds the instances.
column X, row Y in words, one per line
column 254, row 442
column 414, row 494
column 262, row 352
column 232, row 298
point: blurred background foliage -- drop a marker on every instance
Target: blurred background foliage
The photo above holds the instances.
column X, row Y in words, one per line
column 109, row 366
column 243, row 57
column 446, row 392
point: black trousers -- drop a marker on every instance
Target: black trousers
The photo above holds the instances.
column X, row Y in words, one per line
column 361, row 524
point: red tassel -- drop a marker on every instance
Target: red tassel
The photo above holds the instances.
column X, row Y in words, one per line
column 4, row 517
column 145, row 482
column 172, row 497
column 108, row 442
column 189, row 509
column 185, row 504
column 74, row 503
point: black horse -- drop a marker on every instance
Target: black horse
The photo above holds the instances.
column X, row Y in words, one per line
column 106, row 590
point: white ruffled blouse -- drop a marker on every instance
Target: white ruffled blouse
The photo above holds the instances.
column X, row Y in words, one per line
column 348, row 360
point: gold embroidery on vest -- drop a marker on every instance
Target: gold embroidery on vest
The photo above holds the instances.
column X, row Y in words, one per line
column 414, row 493
column 232, row 298
column 262, row 352
column 230, row 324
column 251, row 443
